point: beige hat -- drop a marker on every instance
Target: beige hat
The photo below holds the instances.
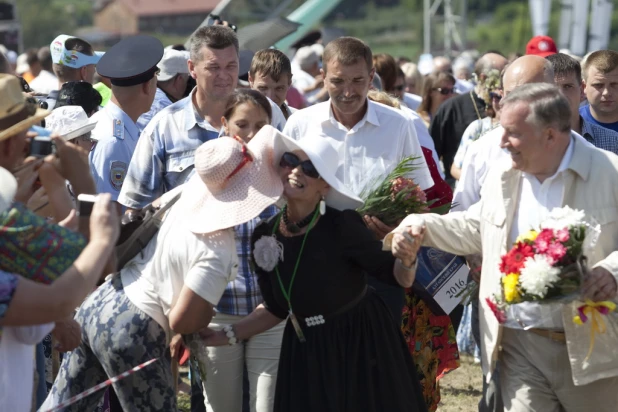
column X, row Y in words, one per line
column 8, row 188
column 173, row 62
column 16, row 114
column 234, row 182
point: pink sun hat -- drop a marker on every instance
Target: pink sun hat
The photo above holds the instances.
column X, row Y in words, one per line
column 233, row 182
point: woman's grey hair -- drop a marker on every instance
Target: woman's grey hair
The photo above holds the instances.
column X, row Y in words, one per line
column 548, row 107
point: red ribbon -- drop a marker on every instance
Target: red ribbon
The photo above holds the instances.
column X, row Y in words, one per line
column 246, row 158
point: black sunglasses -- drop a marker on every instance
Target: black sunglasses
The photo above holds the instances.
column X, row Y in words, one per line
column 444, row 90
column 495, row 96
column 292, row 161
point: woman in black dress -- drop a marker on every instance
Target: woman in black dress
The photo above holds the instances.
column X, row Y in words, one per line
column 341, row 350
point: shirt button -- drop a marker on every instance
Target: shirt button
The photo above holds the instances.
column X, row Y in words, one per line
column 235, row 265
column 180, row 168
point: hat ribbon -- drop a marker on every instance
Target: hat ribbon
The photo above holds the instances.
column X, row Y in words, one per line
column 246, row 158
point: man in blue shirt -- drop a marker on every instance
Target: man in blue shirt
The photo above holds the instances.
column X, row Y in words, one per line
column 163, row 157
column 171, row 84
column 131, row 66
column 567, row 76
column 601, row 77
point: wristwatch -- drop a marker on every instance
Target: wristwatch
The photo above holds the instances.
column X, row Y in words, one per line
column 231, row 335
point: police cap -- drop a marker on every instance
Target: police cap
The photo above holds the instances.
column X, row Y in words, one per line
column 131, row 61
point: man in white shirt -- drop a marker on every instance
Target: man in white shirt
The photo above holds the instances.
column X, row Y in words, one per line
column 306, row 73
column 370, row 138
column 543, row 367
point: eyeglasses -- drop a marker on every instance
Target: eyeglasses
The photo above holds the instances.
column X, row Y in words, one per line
column 292, row 161
column 87, row 139
column 444, row 90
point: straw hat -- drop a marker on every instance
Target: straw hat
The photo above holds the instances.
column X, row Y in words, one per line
column 70, row 122
column 16, row 114
column 325, row 159
column 8, row 188
column 233, row 182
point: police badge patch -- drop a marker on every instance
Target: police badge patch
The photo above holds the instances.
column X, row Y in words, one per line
column 117, row 172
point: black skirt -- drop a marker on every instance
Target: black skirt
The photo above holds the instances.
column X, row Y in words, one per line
column 354, row 361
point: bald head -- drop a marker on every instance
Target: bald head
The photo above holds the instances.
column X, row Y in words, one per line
column 527, row 69
column 489, row 62
column 442, row 64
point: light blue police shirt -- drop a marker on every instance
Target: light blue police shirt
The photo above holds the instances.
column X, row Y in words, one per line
column 117, row 136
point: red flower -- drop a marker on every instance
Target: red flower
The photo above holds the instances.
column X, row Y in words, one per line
column 499, row 314
column 556, row 251
column 563, row 235
column 543, row 240
column 514, row 260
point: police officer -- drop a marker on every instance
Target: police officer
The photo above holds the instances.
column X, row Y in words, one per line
column 131, row 66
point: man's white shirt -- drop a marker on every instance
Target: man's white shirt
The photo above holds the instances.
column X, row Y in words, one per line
column 371, row 149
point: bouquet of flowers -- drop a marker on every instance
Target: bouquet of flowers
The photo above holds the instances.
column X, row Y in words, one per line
column 546, row 264
column 392, row 197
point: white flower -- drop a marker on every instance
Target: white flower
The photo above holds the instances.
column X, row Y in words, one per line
column 538, row 275
column 267, row 252
column 563, row 217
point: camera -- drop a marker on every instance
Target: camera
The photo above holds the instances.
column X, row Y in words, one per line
column 214, row 19
column 41, row 145
column 85, row 204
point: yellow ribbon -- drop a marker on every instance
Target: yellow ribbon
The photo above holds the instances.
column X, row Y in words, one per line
column 594, row 310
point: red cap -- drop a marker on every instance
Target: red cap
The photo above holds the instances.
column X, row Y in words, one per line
column 541, row 46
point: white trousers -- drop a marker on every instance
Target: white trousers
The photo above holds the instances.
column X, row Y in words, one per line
column 224, row 370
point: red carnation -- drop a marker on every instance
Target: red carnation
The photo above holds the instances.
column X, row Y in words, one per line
column 514, row 260
column 543, row 240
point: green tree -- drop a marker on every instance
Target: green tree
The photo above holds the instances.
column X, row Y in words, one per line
column 42, row 21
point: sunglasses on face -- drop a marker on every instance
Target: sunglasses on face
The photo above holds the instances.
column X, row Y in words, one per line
column 400, row 88
column 86, row 138
column 495, row 96
column 444, row 90
column 292, row 161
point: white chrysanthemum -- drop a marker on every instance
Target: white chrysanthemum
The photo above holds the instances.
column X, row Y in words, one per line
column 563, row 217
column 538, row 275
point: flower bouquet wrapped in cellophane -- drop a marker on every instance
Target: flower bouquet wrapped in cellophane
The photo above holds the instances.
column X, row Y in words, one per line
column 546, row 265
column 392, row 197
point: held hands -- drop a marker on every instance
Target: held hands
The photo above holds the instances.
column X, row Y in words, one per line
column 213, row 337
column 406, row 243
column 599, row 285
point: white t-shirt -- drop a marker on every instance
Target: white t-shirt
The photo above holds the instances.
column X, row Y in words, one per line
column 44, row 83
column 371, row 149
column 178, row 257
column 17, row 360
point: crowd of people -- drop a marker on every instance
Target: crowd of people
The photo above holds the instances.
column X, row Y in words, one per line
column 262, row 273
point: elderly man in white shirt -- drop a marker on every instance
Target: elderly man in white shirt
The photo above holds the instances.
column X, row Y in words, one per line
column 543, row 368
column 371, row 138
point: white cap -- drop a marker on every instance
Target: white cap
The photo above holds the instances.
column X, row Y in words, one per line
column 425, row 64
column 71, row 58
column 307, row 56
column 172, row 63
column 69, row 122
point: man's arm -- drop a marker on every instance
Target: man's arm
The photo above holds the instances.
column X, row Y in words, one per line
column 457, row 233
column 144, row 180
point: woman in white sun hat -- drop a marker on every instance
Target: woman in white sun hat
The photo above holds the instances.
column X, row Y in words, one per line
column 174, row 284
column 73, row 125
column 341, row 349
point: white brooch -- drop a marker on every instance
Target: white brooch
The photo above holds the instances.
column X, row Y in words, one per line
column 267, row 252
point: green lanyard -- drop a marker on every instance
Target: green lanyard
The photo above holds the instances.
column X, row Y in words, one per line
column 287, row 294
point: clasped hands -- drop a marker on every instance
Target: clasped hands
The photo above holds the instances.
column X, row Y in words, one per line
column 406, row 243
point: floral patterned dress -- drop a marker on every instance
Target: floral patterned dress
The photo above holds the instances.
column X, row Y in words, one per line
column 431, row 338
column 8, row 283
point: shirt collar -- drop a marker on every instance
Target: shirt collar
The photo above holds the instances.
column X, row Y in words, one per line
column 370, row 116
column 117, row 113
column 190, row 115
